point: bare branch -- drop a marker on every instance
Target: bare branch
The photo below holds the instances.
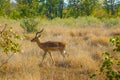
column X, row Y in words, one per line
column 3, row 29
column 6, row 61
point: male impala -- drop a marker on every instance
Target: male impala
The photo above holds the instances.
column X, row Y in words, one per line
column 49, row 46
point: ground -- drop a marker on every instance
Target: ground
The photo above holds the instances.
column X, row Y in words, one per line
column 85, row 46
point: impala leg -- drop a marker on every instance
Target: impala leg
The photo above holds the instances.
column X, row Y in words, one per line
column 62, row 53
column 51, row 57
column 44, row 55
column 65, row 53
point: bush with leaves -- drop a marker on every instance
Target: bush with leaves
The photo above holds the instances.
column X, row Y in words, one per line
column 8, row 41
column 29, row 25
column 110, row 67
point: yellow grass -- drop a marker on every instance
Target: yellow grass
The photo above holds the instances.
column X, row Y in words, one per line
column 84, row 46
column 115, row 32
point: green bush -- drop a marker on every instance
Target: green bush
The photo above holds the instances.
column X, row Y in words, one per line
column 15, row 15
column 8, row 41
column 87, row 21
column 110, row 68
column 29, row 25
column 99, row 13
column 111, row 22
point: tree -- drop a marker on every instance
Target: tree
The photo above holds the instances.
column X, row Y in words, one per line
column 28, row 8
column 4, row 7
column 52, row 8
column 81, row 7
column 117, row 7
column 89, row 6
column 73, row 7
column 109, row 6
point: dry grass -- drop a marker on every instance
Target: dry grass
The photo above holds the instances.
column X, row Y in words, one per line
column 100, row 41
column 84, row 46
column 115, row 32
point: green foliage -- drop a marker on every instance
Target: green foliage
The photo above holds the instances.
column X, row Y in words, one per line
column 29, row 25
column 116, row 41
column 93, row 76
column 28, row 8
column 99, row 13
column 52, row 8
column 110, row 6
column 59, row 8
column 111, row 22
column 78, row 8
column 4, row 7
column 71, row 22
column 88, row 21
column 107, row 67
column 110, row 67
column 8, row 41
column 14, row 14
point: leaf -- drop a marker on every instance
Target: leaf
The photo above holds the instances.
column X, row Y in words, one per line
column 11, row 30
column 112, row 41
column 93, row 76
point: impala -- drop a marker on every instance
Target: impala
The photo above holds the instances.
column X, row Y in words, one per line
column 49, row 46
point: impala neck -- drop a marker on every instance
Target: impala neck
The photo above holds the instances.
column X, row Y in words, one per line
column 38, row 42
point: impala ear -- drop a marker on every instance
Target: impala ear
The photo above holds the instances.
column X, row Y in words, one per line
column 39, row 36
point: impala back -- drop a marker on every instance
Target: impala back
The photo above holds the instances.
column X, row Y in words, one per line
column 53, row 46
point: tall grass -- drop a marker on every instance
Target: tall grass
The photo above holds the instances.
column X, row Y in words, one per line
column 86, row 38
column 111, row 22
column 87, row 21
column 80, row 22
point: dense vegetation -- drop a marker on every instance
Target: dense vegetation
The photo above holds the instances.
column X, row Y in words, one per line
column 98, row 17
column 59, row 8
column 111, row 64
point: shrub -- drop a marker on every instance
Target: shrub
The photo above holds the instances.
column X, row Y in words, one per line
column 29, row 25
column 111, row 22
column 8, row 41
column 110, row 68
column 100, row 13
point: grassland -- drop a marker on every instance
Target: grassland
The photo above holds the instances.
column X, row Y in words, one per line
column 86, row 37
